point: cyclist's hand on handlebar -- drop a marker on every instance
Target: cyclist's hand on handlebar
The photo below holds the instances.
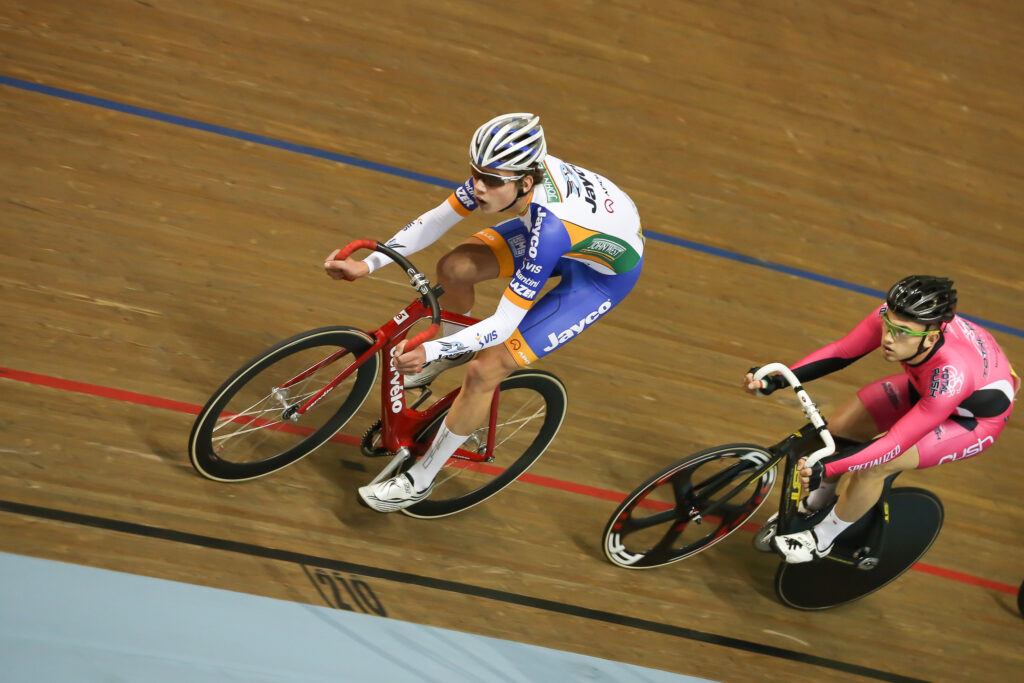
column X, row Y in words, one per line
column 409, row 363
column 771, row 382
column 810, row 477
column 348, row 269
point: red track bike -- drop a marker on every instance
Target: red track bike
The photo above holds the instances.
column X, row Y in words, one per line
column 298, row 394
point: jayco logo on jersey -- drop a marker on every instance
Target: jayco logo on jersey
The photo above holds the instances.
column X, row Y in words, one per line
column 535, row 233
column 576, row 182
column 588, row 187
column 485, row 339
column 947, row 381
column 566, row 335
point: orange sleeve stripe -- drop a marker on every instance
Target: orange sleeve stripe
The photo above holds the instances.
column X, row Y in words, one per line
column 457, row 205
column 491, row 237
column 520, row 350
column 518, row 300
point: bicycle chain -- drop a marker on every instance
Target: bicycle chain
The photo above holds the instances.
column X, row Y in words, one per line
column 366, row 445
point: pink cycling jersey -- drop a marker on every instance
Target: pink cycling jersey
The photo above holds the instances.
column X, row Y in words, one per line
column 965, row 377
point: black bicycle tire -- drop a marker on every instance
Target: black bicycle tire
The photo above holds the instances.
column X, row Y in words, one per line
column 897, row 491
column 555, row 399
column 613, row 550
column 209, row 465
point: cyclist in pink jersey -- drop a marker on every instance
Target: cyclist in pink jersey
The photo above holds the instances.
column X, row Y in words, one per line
column 952, row 400
column 564, row 222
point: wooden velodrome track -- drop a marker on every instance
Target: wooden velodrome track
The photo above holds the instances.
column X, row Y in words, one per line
column 146, row 256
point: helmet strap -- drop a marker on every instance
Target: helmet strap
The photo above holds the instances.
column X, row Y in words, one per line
column 519, row 195
column 920, row 344
column 513, row 203
column 920, row 347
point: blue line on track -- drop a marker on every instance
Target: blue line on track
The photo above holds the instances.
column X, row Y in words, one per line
column 440, row 182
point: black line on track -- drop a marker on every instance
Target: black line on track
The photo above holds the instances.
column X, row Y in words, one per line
column 444, row 585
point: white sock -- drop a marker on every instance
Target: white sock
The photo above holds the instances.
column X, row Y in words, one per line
column 829, row 528
column 443, row 447
column 448, row 329
column 822, row 496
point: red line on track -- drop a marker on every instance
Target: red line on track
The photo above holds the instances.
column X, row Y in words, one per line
column 604, row 494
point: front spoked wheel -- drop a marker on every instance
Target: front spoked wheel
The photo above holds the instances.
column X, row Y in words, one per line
column 249, row 428
column 531, row 407
column 689, row 506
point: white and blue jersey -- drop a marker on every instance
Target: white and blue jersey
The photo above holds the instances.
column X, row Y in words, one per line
column 578, row 226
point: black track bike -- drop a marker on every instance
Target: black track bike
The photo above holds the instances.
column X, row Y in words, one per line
column 700, row 500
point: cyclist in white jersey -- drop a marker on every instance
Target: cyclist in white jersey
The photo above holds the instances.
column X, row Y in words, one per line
column 566, row 222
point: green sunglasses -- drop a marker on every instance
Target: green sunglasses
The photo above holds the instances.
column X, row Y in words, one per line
column 900, row 333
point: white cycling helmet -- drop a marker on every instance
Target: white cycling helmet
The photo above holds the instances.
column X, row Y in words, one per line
column 510, row 141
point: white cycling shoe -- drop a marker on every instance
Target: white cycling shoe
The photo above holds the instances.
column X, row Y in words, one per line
column 799, row 547
column 393, row 494
column 435, row 367
column 764, row 536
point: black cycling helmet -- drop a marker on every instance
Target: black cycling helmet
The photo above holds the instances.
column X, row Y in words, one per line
column 924, row 298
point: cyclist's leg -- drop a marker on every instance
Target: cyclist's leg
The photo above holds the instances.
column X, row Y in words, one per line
column 487, row 255
column 871, row 411
column 955, row 439
column 865, row 486
column 468, row 412
column 461, row 269
column 581, row 298
column 875, row 409
column 458, row 272
column 852, row 420
column 483, row 375
column 576, row 302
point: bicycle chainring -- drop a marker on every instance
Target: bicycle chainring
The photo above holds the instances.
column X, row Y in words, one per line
column 369, row 438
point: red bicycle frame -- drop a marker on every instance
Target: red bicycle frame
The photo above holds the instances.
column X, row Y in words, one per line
column 399, row 423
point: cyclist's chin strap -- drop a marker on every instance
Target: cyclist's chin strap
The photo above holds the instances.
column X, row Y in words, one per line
column 920, row 344
column 519, row 195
